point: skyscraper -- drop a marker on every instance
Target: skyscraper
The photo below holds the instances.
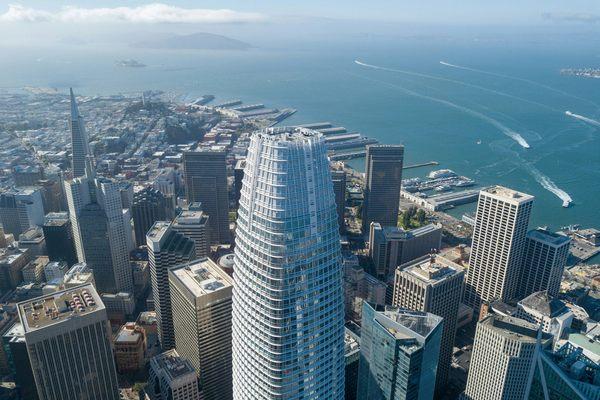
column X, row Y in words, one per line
column 339, row 189
column 288, row 307
column 96, row 212
column 195, row 224
column 383, row 172
column 206, row 182
column 149, row 205
column 80, row 149
column 433, row 284
column 172, row 378
column 502, row 360
column 543, row 262
column 399, row 351
column 501, row 222
column 201, row 302
column 59, row 237
column 166, row 249
column 69, row 344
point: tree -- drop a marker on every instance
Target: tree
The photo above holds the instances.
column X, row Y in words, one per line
column 421, row 216
column 406, row 219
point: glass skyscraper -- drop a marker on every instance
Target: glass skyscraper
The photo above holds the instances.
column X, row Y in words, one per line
column 288, row 309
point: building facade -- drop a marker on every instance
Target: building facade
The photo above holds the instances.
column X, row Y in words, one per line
column 59, row 237
column 288, row 306
column 339, row 189
column 172, row 378
column 194, row 224
column 149, row 205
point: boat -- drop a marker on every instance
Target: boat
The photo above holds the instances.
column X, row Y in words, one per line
column 479, row 141
column 566, row 203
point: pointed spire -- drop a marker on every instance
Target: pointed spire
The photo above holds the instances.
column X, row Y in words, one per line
column 74, row 108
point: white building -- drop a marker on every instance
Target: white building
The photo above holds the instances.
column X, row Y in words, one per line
column 194, row 224
column 288, row 268
column 551, row 314
column 172, row 378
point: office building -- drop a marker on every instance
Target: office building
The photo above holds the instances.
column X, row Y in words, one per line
column 433, row 284
column 18, row 359
column 399, row 352
column 238, row 177
column 287, row 236
column 172, row 378
column 201, row 302
column 352, row 357
column 550, row 313
column 194, row 224
column 544, row 261
column 27, row 175
column 497, row 248
column 55, row 271
column 80, row 150
column 21, row 209
column 79, row 274
column 360, row 286
column 130, row 348
column 33, row 239
column 383, row 173
column 120, row 307
column 166, row 249
column 149, row 205
column 206, row 183
column 390, row 247
column 12, row 262
column 100, row 232
column 59, row 237
column 34, row 270
column 339, row 189
column 69, row 345
column 502, row 359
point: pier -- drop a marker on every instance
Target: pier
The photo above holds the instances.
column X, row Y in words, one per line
column 420, row 165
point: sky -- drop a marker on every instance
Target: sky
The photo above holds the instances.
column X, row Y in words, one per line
column 43, row 21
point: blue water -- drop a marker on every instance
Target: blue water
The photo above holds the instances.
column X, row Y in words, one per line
column 326, row 84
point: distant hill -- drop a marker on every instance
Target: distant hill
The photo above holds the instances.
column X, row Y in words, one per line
column 198, row 41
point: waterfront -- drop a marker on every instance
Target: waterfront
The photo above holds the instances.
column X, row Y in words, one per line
column 392, row 107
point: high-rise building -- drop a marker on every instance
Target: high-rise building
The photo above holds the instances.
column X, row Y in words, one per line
column 339, row 189
column 27, row 175
column 238, row 177
column 80, row 150
column 543, row 264
column 149, row 205
column 69, row 345
column 390, row 247
column 360, row 286
column 59, row 237
column 194, row 224
column 503, row 356
column 501, row 222
column 399, row 352
column 14, row 341
column 383, row 172
column 288, row 306
column 172, row 378
column 99, row 231
column 201, row 303
column 12, row 262
column 34, row 270
column 551, row 314
column 433, row 284
column 55, row 271
column 33, row 239
column 21, row 209
column 206, row 183
column 130, row 348
column 166, row 249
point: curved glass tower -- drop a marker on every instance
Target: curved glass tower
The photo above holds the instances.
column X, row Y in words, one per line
column 288, row 308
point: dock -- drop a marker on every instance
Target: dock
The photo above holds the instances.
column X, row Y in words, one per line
column 443, row 201
column 420, row 165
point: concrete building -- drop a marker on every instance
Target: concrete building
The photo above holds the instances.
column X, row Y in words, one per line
column 18, row 359
column 359, row 286
column 149, row 205
column 58, row 234
column 194, row 224
column 339, row 189
column 287, row 236
column 34, row 270
column 21, row 209
column 383, row 173
column 201, row 301
column 69, row 345
column 80, row 149
column 130, row 348
column 79, row 274
column 502, row 360
column 399, row 352
column 12, row 262
column 206, row 183
column 352, row 357
column 501, row 222
column 544, row 261
column 433, row 284
column 55, row 271
column 172, row 378
column 33, row 239
column 27, row 175
column 550, row 313
column 390, row 247
column 238, row 177
column 166, row 249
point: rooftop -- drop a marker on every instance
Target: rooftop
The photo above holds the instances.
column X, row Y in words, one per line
column 201, row 277
column 128, row 335
column 172, row 364
column 56, row 219
column 289, row 134
column 432, row 269
column 191, row 218
column 406, row 324
column 544, row 304
column 513, row 328
column 10, row 254
column 58, row 307
column 398, row 233
column 506, row 194
column 544, row 235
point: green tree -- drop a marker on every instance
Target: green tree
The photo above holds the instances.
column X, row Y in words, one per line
column 406, row 219
column 421, row 216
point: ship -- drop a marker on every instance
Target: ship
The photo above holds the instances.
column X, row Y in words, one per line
column 566, row 203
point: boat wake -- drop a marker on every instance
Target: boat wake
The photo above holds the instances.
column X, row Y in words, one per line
column 582, row 118
column 497, row 124
column 549, row 185
column 534, row 83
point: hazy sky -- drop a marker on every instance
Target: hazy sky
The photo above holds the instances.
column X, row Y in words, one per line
column 429, row 11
